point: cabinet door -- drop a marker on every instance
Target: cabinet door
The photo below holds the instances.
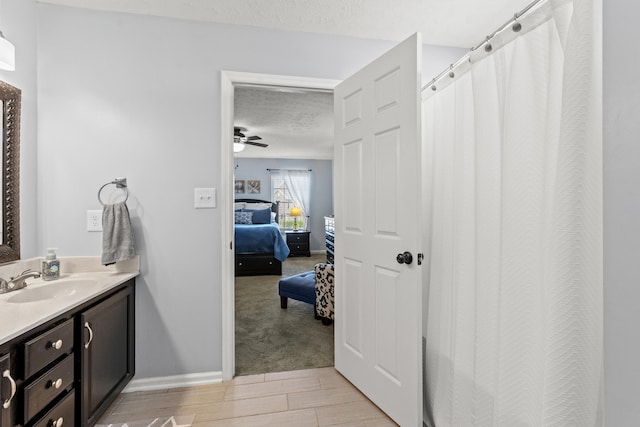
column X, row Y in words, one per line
column 107, row 360
column 5, row 390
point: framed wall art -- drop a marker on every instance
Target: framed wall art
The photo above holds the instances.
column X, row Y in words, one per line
column 253, row 186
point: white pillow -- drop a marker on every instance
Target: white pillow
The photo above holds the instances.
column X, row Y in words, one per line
column 273, row 217
column 257, row 206
column 239, row 205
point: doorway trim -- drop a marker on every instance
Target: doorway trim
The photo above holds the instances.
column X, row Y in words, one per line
column 228, row 81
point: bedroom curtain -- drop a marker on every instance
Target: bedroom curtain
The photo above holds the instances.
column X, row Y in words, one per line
column 298, row 183
column 514, row 321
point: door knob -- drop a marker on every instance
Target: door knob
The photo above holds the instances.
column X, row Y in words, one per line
column 404, row 258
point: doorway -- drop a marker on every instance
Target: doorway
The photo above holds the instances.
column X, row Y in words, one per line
column 229, row 81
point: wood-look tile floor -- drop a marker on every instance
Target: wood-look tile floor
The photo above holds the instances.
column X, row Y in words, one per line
column 305, row 398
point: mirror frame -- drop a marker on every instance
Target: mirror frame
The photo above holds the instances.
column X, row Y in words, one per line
column 10, row 186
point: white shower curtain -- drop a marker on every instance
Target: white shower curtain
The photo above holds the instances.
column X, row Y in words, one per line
column 514, row 316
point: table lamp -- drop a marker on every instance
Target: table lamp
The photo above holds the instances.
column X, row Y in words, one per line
column 295, row 212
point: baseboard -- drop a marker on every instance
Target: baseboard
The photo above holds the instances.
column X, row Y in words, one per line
column 318, row 251
column 173, row 381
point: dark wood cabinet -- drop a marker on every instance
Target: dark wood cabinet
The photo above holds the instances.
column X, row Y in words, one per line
column 47, row 372
column 63, row 413
column 45, row 388
column 298, row 242
column 7, row 390
column 47, row 347
column 69, row 369
column 107, row 353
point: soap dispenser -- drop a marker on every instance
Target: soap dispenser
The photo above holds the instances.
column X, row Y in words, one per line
column 50, row 266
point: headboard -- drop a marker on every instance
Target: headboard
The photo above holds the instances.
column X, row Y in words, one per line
column 274, row 205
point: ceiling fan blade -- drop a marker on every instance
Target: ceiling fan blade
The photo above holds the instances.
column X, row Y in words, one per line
column 257, row 144
column 242, row 138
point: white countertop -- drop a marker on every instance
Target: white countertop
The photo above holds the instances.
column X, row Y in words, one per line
column 18, row 316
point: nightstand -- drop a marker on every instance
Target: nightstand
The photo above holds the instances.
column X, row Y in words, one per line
column 298, row 242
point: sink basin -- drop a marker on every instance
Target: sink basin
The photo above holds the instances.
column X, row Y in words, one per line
column 61, row 289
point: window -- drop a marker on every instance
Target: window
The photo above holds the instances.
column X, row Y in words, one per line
column 281, row 194
column 291, row 189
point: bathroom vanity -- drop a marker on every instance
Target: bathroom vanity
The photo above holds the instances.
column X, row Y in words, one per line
column 67, row 348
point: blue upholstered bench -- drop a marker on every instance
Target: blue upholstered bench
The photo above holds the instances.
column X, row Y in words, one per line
column 313, row 287
column 301, row 287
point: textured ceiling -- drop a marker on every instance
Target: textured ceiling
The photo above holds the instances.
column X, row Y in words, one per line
column 296, row 124
column 299, row 125
column 459, row 23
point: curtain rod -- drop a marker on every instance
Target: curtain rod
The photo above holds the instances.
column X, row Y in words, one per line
column 274, row 170
column 516, row 27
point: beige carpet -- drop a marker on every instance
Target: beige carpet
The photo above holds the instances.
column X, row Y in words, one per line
column 270, row 339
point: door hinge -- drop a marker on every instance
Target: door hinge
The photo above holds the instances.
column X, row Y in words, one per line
column 231, row 245
column 420, row 258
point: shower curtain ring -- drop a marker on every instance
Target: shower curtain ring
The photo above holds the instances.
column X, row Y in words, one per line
column 516, row 27
column 487, row 46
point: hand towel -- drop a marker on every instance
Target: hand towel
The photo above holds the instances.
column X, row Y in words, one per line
column 117, row 235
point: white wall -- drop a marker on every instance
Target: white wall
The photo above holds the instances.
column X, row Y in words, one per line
column 135, row 96
column 321, row 188
column 621, row 213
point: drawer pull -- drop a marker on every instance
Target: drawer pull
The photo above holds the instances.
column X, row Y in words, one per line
column 56, row 423
column 6, row 374
column 56, row 384
column 88, row 326
column 57, row 345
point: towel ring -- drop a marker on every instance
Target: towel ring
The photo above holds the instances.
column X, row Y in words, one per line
column 119, row 183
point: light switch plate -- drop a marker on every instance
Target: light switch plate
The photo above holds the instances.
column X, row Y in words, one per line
column 94, row 220
column 204, row 198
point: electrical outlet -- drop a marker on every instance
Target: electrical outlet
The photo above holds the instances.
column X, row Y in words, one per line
column 94, row 220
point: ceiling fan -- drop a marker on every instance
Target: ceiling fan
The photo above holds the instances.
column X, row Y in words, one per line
column 240, row 140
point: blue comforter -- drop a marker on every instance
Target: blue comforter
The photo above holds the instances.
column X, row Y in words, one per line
column 261, row 238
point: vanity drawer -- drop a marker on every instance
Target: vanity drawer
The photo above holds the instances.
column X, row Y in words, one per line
column 61, row 414
column 47, row 387
column 47, row 347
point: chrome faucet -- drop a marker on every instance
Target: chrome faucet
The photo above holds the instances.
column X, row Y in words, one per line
column 18, row 282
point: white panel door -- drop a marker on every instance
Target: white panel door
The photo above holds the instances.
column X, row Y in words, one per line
column 378, row 310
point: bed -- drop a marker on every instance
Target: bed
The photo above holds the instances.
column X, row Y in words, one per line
column 260, row 248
